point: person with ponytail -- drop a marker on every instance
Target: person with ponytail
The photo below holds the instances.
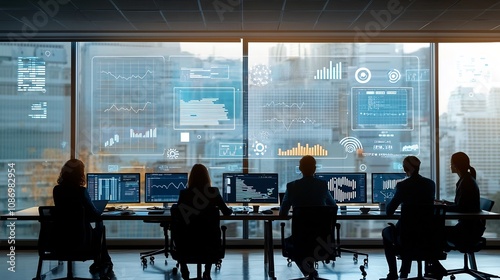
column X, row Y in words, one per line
column 467, row 200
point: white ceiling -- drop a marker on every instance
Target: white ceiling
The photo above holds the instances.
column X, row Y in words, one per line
column 371, row 17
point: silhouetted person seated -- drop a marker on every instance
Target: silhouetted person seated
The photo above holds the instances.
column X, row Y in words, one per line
column 307, row 191
column 70, row 192
column 467, row 200
column 414, row 189
column 198, row 197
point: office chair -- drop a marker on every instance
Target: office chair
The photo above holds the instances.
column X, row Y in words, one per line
column 421, row 235
column 312, row 239
column 63, row 238
column 196, row 238
column 341, row 250
column 469, row 247
column 150, row 254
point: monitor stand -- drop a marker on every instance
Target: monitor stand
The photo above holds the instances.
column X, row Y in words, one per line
column 165, row 206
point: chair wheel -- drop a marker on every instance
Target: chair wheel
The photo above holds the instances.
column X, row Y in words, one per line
column 452, row 277
column 166, row 262
column 316, row 265
column 174, row 271
column 365, row 262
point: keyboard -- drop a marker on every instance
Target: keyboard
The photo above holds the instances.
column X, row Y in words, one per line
column 156, row 212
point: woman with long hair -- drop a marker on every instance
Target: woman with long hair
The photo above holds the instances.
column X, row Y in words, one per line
column 200, row 196
column 71, row 192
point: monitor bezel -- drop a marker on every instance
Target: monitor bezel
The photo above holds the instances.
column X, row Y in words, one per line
column 364, row 174
column 121, row 175
column 224, row 190
column 382, row 173
column 166, row 173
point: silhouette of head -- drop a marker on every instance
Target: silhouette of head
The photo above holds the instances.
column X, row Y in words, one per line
column 460, row 163
column 411, row 165
column 72, row 173
column 307, row 165
column 199, row 177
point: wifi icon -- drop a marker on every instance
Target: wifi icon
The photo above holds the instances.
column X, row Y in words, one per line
column 351, row 144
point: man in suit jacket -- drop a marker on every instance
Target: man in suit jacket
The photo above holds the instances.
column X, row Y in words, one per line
column 307, row 191
column 414, row 189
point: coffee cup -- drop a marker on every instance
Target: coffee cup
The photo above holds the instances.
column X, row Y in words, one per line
column 255, row 208
column 381, row 206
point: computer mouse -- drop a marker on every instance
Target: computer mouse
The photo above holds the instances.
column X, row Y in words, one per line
column 126, row 213
column 267, row 212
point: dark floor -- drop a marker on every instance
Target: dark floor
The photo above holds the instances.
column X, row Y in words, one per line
column 244, row 264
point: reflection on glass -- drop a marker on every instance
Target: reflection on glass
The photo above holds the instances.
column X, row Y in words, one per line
column 153, row 107
column 469, row 116
column 35, row 130
column 355, row 107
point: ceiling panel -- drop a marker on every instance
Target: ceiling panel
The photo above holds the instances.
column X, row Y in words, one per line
column 296, row 16
column 255, row 16
column 103, row 15
column 135, row 5
column 171, row 16
column 252, row 15
column 143, row 16
column 92, row 4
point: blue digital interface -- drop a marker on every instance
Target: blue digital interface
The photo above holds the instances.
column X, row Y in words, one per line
column 164, row 187
column 115, row 187
column 250, row 188
column 346, row 187
column 382, row 108
column 384, row 186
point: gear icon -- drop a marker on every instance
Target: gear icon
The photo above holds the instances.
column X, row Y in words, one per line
column 172, row 153
column 259, row 148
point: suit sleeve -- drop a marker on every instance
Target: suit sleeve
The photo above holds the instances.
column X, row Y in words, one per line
column 395, row 201
column 285, row 204
column 329, row 200
column 221, row 204
column 89, row 206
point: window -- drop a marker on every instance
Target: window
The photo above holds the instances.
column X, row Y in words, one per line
column 152, row 107
column 35, row 111
column 469, row 117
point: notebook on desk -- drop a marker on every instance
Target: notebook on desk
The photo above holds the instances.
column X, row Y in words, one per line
column 100, row 205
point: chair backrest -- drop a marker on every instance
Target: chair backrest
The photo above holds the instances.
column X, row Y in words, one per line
column 63, row 233
column 421, row 231
column 313, row 229
column 196, row 235
column 486, row 204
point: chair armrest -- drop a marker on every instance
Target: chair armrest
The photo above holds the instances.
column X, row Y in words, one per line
column 337, row 235
column 223, row 228
column 282, row 225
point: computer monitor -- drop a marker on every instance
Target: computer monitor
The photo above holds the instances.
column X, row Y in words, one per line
column 346, row 187
column 384, row 186
column 250, row 188
column 164, row 187
column 115, row 187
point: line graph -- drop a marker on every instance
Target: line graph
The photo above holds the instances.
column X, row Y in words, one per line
column 114, row 107
column 126, row 91
column 129, row 77
column 181, row 185
column 287, row 124
column 284, row 105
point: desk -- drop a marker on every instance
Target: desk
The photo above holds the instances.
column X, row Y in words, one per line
column 142, row 214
